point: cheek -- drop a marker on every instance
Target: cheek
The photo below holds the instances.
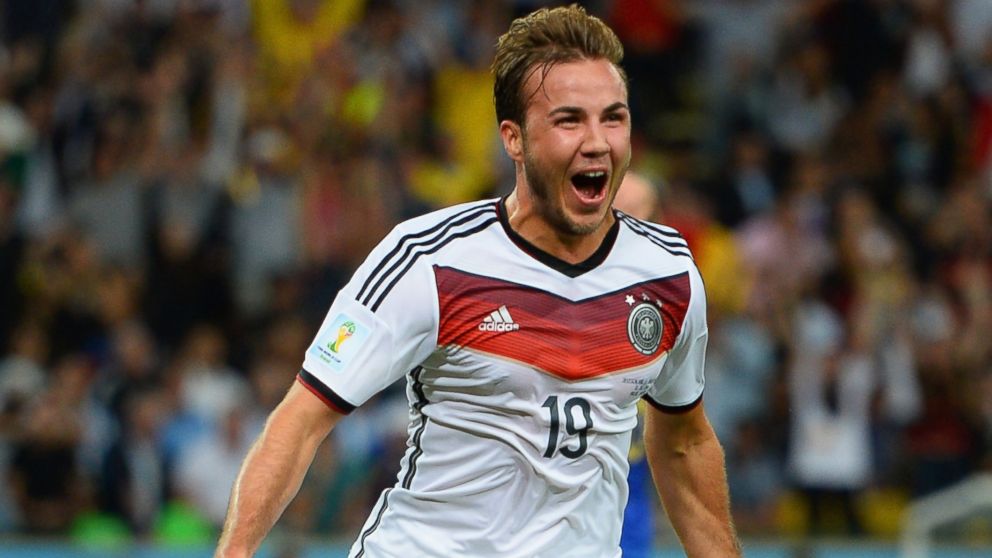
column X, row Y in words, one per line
column 556, row 152
column 619, row 140
column 621, row 153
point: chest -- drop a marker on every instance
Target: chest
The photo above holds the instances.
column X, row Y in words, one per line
column 615, row 341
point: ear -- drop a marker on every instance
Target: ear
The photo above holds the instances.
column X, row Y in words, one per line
column 513, row 139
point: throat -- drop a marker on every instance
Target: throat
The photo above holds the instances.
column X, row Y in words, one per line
column 573, row 248
column 529, row 224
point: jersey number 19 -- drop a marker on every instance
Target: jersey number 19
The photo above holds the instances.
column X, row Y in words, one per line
column 570, row 430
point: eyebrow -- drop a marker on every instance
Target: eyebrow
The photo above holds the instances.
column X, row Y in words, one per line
column 615, row 107
column 576, row 110
column 566, row 110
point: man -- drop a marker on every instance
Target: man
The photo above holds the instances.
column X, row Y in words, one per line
column 528, row 328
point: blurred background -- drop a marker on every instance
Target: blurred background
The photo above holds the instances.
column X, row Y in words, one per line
column 185, row 185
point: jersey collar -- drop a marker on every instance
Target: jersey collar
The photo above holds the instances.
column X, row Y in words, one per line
column 555, row 263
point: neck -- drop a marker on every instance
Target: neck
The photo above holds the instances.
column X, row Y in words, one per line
column 525, row 218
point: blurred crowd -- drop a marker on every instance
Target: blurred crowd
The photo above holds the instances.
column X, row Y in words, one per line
column 185, row 185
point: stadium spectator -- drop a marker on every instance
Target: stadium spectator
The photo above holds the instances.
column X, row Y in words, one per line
column 135, row 485
column 44, row 468
column 209, row 465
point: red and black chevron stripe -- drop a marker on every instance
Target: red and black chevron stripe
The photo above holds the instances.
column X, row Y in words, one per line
column 574, row 340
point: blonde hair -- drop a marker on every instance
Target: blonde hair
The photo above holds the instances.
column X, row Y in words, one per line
column 539, row 41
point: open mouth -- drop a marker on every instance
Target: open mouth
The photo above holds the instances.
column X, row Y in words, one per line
column 590, row 185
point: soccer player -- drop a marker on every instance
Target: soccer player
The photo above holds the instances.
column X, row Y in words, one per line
column 527, row 328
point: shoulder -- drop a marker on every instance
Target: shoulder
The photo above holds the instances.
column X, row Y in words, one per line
column 429, row 233
column 664, row 240
column 661, row 250
column 449, row 218
column 413, row 244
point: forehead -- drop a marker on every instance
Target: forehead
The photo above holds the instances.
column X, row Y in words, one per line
column 591, row 85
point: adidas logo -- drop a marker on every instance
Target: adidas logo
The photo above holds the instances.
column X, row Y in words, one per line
column 500, row 321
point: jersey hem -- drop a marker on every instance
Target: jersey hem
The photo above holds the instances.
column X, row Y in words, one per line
column 673, row 409
column 324, row 393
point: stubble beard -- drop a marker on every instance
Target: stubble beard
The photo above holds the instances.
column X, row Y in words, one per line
column 550, row 209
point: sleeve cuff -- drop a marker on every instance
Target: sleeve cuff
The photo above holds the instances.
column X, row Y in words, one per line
column 673, row 410
column 324, row 393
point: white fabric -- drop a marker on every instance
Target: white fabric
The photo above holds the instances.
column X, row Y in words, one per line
column 475, row 480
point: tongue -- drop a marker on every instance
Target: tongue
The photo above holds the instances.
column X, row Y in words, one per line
column 588, row 192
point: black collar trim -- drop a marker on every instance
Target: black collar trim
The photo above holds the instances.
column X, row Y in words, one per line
column 555, row 263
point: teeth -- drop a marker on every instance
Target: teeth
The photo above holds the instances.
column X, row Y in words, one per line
column 594, row 174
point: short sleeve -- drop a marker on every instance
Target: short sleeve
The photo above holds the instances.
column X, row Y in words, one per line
column 382, row 324
column 679, row 386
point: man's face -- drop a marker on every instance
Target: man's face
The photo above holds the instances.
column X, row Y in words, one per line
column 576, row 143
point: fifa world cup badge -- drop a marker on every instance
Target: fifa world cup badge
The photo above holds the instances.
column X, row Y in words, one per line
column 340, row 341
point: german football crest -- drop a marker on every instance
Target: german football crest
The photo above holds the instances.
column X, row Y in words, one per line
column 644, row 328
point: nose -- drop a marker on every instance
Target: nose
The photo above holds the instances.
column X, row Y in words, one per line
column 594, row 144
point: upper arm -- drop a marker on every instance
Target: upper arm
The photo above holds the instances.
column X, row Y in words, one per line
column 301, row 415
column 675, row 432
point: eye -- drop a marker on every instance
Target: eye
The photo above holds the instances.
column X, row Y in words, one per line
column 616, row 117
column 567, row 121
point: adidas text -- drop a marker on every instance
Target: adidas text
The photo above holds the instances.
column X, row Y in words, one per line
column 500, row 327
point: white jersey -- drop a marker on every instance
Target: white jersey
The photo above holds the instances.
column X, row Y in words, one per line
column 523, row 374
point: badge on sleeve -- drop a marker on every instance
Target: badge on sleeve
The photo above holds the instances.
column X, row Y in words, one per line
column 340, row 341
